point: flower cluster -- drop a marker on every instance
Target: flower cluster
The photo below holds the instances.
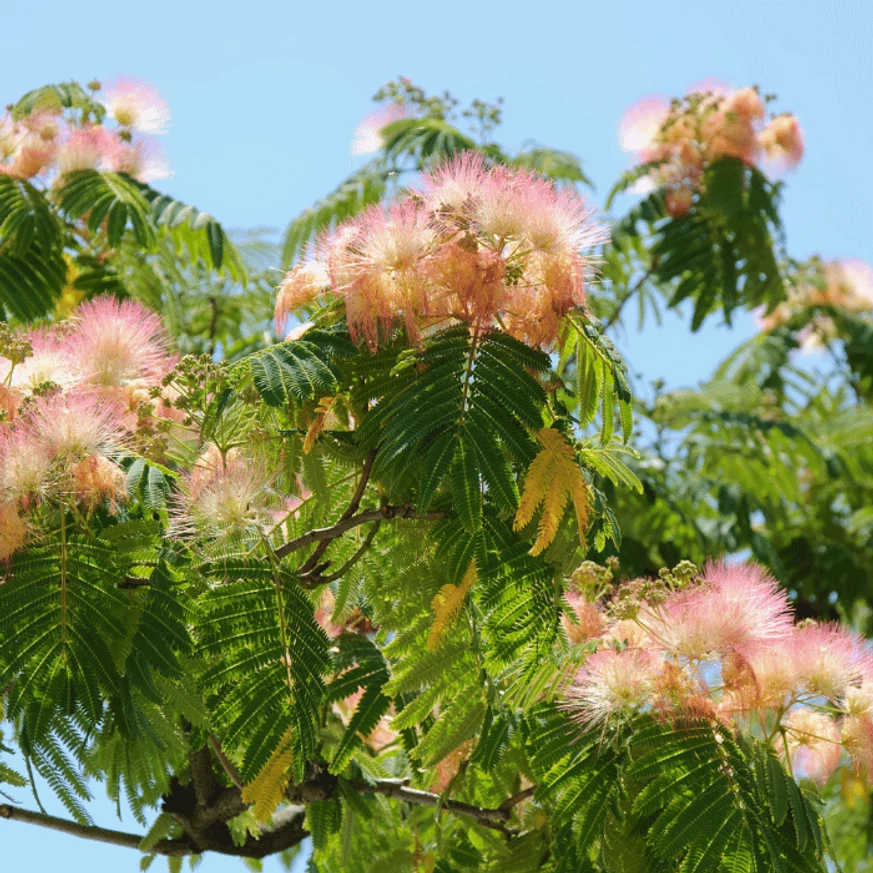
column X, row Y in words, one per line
column 724, row 646
column 684, row 136
column 47, row 143
column 71, row 401
column 844, row 284
column 478, row 244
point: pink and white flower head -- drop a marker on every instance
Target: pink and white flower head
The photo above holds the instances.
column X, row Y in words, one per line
column 88, row 148
column 12, row 134
column 237, row 501
column 74, row 426
column 641, row 124
column 27, row 471
column 746, row 102
column 13, row 531
column 813, row 744
column 368, row 134
column 301, row 286
column 849, row 284
column 144, row 161
column 96, row 479
column 830, row 659
column 782, row 143
column 736, row 607
column 117, row 342
column 611, row 682
column 135, row 104
column 50, row 362
column 589, row 619
column 32, row 157
column 380, row 268
column 91, row 147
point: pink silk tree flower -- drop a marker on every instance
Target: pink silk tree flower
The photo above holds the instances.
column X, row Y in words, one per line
column 641, row 124
column 612, row 681
column 135, row 104
column 92, row 147
column 13, row 531
column 813, row 744
column 782, row 143
column 368, row 134
column 143, row 160
column 116, row 342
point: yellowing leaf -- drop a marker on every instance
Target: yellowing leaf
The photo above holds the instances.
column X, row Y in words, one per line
column 554, row 478
column 267, row 789
column 446, row 605
column 321, row 412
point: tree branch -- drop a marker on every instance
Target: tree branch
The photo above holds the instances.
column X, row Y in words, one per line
column 315, row 578
column 312, row 561
column 337, row 530
column 89, row 832
column 490, row 818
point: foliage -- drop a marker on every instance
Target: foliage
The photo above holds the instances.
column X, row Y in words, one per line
column 329, row 586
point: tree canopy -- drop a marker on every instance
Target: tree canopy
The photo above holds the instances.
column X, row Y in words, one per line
column 398, row 558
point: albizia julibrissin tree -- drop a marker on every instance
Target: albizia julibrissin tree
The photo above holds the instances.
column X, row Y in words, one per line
column 344, row 587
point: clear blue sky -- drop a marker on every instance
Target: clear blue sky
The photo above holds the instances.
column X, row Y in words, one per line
column 265, row 97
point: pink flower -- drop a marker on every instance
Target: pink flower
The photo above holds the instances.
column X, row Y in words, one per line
column 641, row 124
column 813, row 744
column 232, row 500
column 611, row 682
column 27, row 471
column 746, row 102
column 301, row 286
column 13, row 531
column 736, row 607
column 589, row 619
column 138, row 105
column 782, row 143
column 368, row 134
column 116, row 342
column 144, row 160
column 75, row 426
column 50, row 363
column 829, row 659
column 97, row 479
column 88, row 148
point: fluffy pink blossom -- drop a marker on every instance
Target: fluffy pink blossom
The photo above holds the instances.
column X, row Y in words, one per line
column 117, row 342
column 136, row 104
column 97, row 479
column 813, row 744
column 13, row 531
column 782, row 143
column 478, row 244
column 379, row 267
column 641, row 124
column 368, row 134
column 613, row 681
column 736, row 607
column 51, row 362
column 88, row 148
column 27, row 470
column 77, row 425
column 301, row 286
column 589, row 622
column 144, row 160
column 829, row 659
column 232, row 500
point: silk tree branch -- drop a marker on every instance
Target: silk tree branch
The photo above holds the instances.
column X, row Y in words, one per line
column 327, row 534
column 89, row 832
column 490, row 818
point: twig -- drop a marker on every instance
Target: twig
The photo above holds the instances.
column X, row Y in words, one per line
column 616, row 313
column 517, row 798
column 490, row 818
column 312, row 561
column 336, row 530
column 225, row 762
column 315, row 578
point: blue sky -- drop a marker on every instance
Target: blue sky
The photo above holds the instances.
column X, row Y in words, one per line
column 266, row 95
